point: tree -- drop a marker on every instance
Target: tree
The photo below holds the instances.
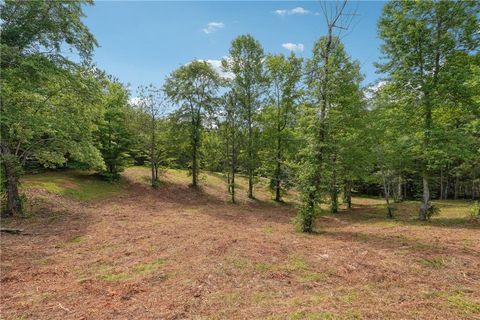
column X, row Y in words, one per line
column 153, row 105
column 194, row 87
column 278, row 118
column 420, row 41
column 115, row 136
column 49, row 104
column 333, row 83
column 231, row 137
column 246, row 64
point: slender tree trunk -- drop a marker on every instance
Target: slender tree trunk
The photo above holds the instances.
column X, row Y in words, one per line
column 233, row 167
column 455, row 195
column 333, row 189
column 152, row 153
column 385, row 193
column 194, row 163
column 441, row 183
column 12, row 169
column 422, row 214
column 278, row 196
column 250, row 149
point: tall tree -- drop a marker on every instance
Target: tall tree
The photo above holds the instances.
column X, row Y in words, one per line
column 246, row 64
column 115, row 136
column 231, row 136
column 420, row 39
column 194, row 87
column 152, row 103
column 278, row 117
column 49, row 104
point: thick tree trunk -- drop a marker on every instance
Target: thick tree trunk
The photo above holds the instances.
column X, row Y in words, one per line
column 14, row 205
column 422, row 215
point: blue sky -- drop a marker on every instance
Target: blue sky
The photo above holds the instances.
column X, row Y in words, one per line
column 143, row 41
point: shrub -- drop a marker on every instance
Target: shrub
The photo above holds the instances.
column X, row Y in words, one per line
column 432, row 211
column 475, row 211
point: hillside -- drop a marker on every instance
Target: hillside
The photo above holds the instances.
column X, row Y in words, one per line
column 127, row 251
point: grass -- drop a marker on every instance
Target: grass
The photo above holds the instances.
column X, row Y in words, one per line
column 76, row 184
column 146, row 268
column 434, row 263
column 110, row 273
column 464, row 304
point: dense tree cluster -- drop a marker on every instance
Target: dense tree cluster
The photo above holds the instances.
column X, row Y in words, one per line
column 303, row 124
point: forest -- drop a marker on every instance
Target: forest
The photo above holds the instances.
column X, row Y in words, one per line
column 276, row 157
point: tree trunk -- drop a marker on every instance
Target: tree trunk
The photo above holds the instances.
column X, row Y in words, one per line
column 348, row 194
column 14, row 205
column 422, row 215
column 194, row 164
column 455, row 195
column 386, row 193
column 152, row 152
column 278, row 196
column 441, row 183
column 250, row 151
column 334, row 190
column 399, row 188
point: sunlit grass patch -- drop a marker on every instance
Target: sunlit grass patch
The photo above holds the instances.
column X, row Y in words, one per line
column 80, row 185
column 464, row 304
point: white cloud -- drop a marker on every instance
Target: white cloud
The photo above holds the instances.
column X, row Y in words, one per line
column 135, row 101
column 293, row 47
column 213, row 26
column 297, row 10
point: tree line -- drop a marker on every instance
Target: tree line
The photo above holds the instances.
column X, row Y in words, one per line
column 303, row 124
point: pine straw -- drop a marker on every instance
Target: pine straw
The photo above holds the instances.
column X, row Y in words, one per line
column 177, row 253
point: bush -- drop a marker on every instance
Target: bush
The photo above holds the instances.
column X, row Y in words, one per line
column 432, row 211
column 475, row 211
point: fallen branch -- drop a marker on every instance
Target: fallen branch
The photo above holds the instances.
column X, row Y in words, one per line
column 11, row 231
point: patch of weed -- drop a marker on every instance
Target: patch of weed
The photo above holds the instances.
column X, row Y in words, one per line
column 263, row 266
column 435, row 263
column 464, row 304
column 146, row 268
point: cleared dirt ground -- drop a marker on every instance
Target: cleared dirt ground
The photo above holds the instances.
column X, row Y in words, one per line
column 175, row 253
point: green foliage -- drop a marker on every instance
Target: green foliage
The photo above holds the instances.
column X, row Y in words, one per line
column 475, row 211
column 114, row 135
column 246, row 64
column 49, row 104
column 432, row 211
column 194, row 88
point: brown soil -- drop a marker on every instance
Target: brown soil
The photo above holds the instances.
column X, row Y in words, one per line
column 177, row 253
